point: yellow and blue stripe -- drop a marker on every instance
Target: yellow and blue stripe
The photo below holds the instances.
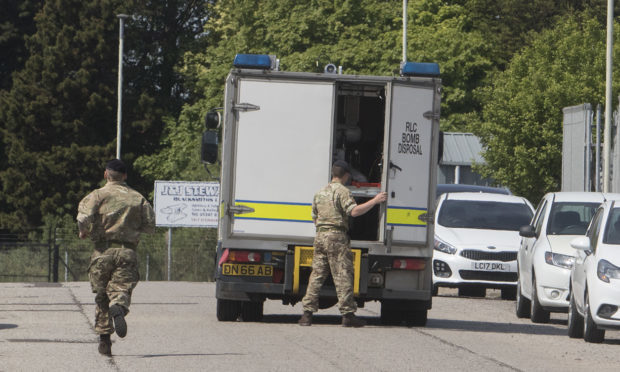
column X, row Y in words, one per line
column 276, row 211
column 302, row 212
column 405, row 216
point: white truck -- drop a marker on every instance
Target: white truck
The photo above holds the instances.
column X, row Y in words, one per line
column 281, row 133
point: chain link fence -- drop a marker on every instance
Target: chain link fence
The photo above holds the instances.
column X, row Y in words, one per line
column 57, row 254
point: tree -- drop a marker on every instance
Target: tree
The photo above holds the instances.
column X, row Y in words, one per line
column 58, row 119
column 55, row 131
column 363, row 36
column 522, row 109
column 158, row 34
column 16, row 23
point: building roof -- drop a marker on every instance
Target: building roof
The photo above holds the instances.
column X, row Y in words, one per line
column 461, row 149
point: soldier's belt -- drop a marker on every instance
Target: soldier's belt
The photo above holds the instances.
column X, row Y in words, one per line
column 102, row 246
column 330, row 228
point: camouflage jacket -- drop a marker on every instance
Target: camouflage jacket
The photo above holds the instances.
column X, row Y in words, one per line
column 332, row 206
column 115, row 212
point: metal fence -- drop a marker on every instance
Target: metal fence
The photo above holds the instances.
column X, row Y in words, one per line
column 57, row 254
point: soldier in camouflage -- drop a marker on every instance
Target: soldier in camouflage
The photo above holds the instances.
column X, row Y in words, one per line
column 331, row 208
column 113, row 217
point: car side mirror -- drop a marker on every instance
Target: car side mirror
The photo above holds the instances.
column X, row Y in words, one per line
column 581, row 243
column 212, row 120
column 209, row 148
column 527, row 231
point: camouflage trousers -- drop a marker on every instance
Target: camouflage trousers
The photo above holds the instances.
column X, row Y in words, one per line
column 113, row 275
column 332, row 253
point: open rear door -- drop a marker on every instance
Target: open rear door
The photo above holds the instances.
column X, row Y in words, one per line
column 408, row 163
column 282, row 155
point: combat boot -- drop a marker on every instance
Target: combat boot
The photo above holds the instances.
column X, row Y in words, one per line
column 306, row 319
column 117, row 313
column 105, row 345
column 350, row 320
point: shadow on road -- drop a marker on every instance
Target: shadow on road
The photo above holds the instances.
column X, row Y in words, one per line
column 493, row 327
column 181, row 355
column 316, row 319
column 462, row 325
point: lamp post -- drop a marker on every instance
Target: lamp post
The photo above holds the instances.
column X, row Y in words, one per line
column 119, row 108
column 404, row 31
column 608, row 104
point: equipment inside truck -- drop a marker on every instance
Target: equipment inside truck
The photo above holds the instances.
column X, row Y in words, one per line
column 358, row 139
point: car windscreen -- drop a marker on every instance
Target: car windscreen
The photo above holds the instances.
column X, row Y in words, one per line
column 612, row 230
column 477, row 214
column 570, row 218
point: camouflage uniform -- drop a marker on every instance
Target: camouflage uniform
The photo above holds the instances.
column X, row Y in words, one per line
column 331, row 208
column 114, row 215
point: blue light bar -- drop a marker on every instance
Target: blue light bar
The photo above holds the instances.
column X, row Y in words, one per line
column 257, row 61
column 419, row 69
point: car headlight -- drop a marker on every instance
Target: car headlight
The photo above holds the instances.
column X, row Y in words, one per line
column 444, row 247
column 560, row 260
column 606, row 271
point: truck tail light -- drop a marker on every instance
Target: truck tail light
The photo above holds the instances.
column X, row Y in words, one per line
column 244, row 256
column 278, row 274
column 409, row 264
column 224, row 257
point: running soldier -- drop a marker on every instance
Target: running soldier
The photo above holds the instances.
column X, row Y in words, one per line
column 114, row 216
column 331, row 208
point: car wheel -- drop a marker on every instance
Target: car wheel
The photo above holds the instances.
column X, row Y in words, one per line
column 228, row 310
column 591, row 333
column 509, row 293
column 252, row 311
column 537, row 313
column 575, row 320
column 435, row 290
column 472, row 291
column 522, row 305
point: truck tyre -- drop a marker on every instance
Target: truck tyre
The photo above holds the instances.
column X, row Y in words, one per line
column 509, row 293
column 228, row 310
column 390, row 315
column 522, row 304
column 417, row 318
column 591, row 333
column 537, row 313
column 575, row 320
column 252, row 311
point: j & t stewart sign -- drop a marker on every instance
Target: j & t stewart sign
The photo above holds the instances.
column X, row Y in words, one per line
column 186, row 204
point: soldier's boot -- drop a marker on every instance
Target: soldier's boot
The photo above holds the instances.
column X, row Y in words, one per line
column 117, row 313
column 350, row 320
column 105, row 345
column 306, row 319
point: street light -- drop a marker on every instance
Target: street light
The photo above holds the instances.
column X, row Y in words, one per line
column 608, row 92
column 119, row 109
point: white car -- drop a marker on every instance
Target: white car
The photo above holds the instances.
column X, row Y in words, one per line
column 476, row 242
column 595, row 277
column 546, row 257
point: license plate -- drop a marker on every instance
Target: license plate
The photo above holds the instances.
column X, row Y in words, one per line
column 247, row 270
column 490, row 266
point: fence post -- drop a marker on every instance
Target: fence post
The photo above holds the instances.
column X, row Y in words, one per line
column 55, row 263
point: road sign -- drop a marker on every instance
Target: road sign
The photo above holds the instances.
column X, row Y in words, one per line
column 186, row 203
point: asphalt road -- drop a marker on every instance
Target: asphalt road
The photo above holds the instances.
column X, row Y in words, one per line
column 172, row 327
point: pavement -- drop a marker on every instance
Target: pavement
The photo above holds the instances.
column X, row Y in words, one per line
column 172, row 327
